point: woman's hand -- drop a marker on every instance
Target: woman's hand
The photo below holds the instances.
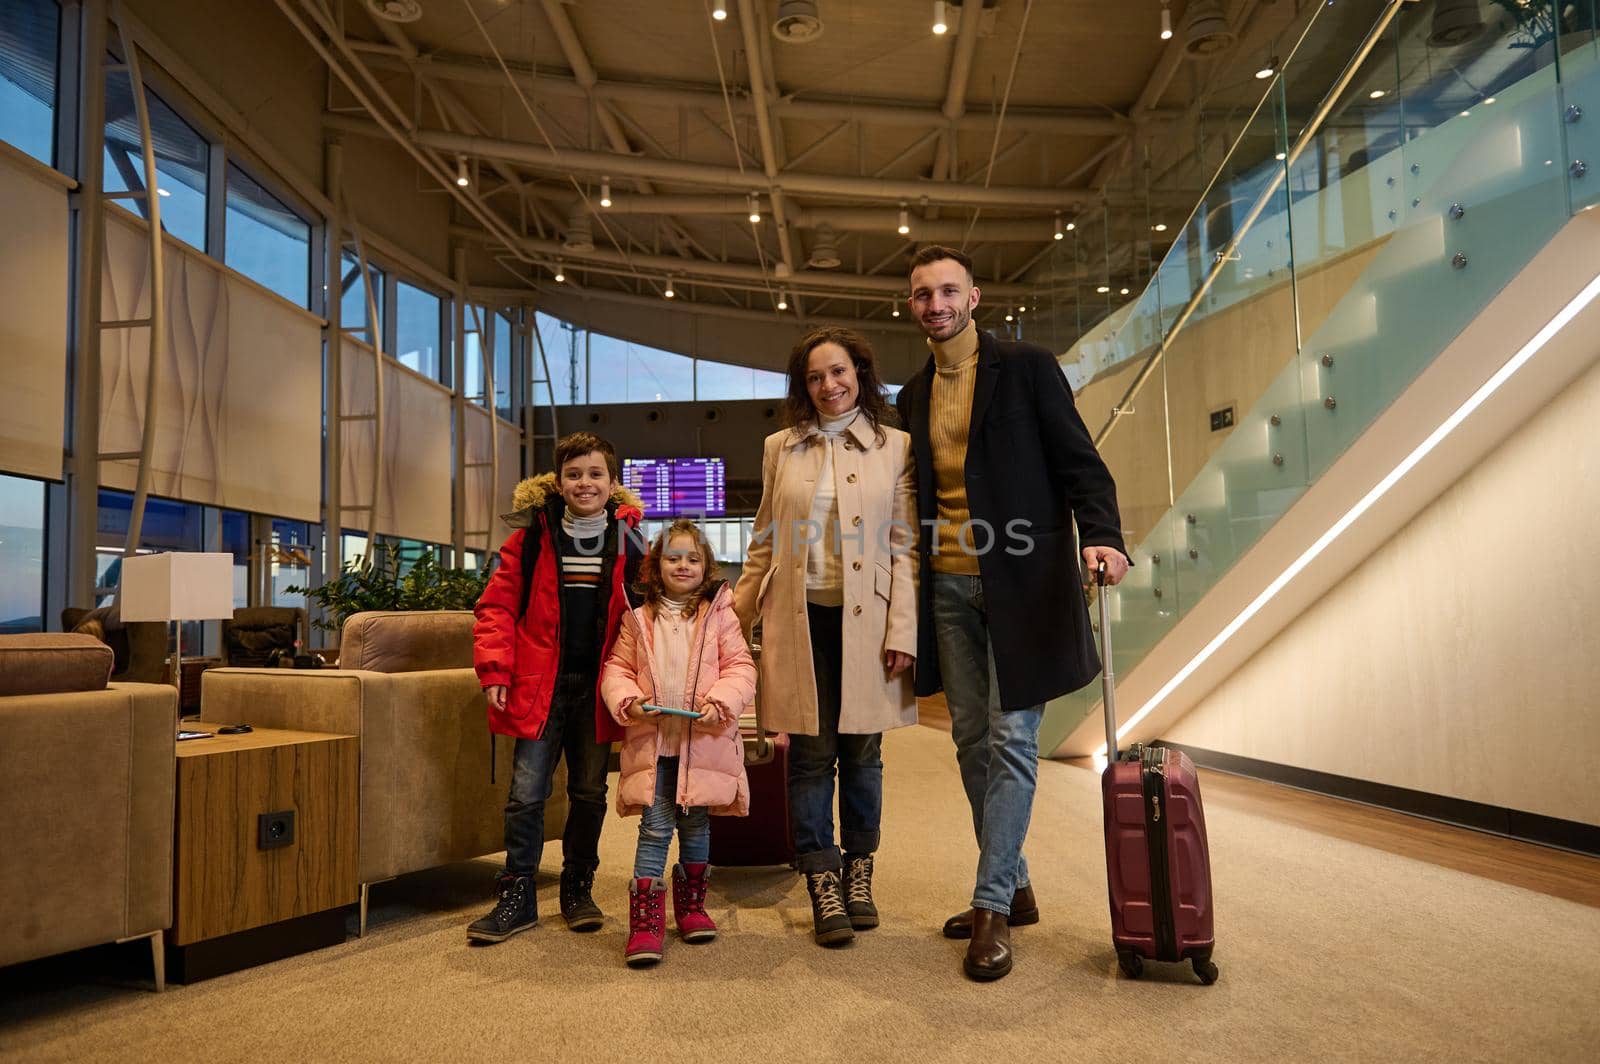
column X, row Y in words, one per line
column 897, row 661
column 496, row 696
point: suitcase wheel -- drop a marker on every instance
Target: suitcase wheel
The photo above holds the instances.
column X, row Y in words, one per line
column 1205, row 970
column 1132, row 964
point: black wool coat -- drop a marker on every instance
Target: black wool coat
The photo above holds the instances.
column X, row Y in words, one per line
column 1029, row 459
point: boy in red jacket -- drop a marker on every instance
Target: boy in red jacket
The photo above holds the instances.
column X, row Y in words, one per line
column 545, row 623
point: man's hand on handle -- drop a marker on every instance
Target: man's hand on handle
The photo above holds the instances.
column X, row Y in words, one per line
column 1116, row 564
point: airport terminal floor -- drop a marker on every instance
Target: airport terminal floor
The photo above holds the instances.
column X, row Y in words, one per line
column 1330, row 949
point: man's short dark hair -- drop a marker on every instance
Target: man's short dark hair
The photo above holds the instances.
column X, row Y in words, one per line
column 935, row 252
column 579, row 444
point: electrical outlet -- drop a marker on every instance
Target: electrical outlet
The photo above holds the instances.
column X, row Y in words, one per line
column 274, row 829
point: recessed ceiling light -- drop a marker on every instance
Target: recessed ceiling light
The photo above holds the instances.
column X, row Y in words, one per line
column 1160, row 227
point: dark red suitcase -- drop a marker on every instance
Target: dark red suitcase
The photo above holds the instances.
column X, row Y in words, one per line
column 1158, row 866
column 763, row 837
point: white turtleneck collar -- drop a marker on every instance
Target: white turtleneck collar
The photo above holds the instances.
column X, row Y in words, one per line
column 583, row 527
column 832, row 426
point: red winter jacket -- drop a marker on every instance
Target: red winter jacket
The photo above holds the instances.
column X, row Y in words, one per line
column 522, row 650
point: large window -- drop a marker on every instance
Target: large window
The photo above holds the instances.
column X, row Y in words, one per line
column 28, row 33
column 21, row 555
column 719, row 380
column 623, row 372
column 566, row 351
column 288, row 559
column 182, row 159
column 477, row 328
column 353, row 298
column 504, row 335
column 266, row 241
column 419, row 322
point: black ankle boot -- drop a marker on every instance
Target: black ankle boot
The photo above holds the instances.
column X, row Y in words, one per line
column 830, row 920
column 858, row 891
column 577, row 907
column 517, row 910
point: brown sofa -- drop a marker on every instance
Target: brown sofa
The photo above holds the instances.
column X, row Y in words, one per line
column 406, row 687
column 86, row 800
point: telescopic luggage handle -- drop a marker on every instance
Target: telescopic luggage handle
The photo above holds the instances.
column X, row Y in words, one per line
column 1108, row 679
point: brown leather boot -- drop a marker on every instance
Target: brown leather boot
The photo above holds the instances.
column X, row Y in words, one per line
column 1024, row 911
column 989, row 953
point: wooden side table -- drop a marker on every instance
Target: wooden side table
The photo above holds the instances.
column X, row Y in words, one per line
column 265, row 856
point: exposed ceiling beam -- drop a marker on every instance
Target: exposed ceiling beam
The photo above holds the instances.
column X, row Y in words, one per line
column 955, row 96
column 1064, row 122
column 772, row 158
column 592, row 163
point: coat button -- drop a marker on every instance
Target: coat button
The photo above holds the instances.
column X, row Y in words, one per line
column 851, row 479
column 855, row 522
column 856, row 566
column 856, row 610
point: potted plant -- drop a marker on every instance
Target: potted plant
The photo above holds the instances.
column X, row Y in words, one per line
column 376, row 582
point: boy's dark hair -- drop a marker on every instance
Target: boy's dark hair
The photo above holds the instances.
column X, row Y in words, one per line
column 797, row 407
column 935, row 252
column 579, row 444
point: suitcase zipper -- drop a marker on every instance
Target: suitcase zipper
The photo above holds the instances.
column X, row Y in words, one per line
column 1154, row 779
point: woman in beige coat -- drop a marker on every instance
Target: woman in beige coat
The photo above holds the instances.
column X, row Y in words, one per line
column 831, row 576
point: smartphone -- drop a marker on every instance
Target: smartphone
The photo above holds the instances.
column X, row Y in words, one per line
column 193, row 735
column 670, row 711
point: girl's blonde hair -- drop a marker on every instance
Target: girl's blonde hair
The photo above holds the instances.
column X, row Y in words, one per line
column 650, row 584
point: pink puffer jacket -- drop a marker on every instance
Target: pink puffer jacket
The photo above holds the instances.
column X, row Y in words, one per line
column 711, row 767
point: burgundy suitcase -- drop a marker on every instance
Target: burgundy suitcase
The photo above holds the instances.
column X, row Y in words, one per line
column 1158, row 867
column 763, row 837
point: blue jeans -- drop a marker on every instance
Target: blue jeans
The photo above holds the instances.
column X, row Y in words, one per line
column 812, row 760
column 655, row 827
column 570, row 730
column 997, row 750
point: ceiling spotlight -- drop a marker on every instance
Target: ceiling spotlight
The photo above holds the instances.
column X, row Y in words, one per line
column 1160, row 227
column 1466, row 114
column 1124, row 291
column 939, row 24
column 1021, row 309
column 1071, row 226
column 783, row 301
column 1166, row 22
column 605, row 192
column 1268, row 69
column 669, row 293
column 1489, row 100
column 1059, row 233
column 1011, row 317
column 1377, row 94
column 894, row 310
column 719, row 9
column 561, row 275
column 163, row 192
column 1282, row 155
column 1103, row 289
column 755, row 209
column 905, row 221
column 461, row 171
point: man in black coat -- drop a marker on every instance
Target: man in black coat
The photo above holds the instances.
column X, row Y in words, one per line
column 1005, row 467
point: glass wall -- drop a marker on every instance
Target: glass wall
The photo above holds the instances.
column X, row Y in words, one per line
column 353, row 298
column 720, row 380
column 182, row 159
column 266, row 241
column 29, row 30
column 476, row 332
column 504, row 343
column 419, row 323
column 21, row 555
column 289, row 561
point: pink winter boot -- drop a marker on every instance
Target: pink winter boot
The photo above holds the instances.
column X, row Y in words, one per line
column 647, row 921
column 689, row 902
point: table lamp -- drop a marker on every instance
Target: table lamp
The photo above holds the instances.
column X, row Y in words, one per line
column 175, row 587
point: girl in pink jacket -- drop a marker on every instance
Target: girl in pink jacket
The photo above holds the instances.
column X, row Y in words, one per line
column 680, row 648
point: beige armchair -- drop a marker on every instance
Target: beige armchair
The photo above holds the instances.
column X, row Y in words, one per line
column 86, row 800
column 406, row 687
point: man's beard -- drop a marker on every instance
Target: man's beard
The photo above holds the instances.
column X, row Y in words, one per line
column 957, row 326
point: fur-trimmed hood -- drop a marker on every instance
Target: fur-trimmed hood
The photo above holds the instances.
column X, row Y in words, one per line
column 536, row 492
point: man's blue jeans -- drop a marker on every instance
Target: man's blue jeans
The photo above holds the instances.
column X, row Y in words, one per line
column 997, row 750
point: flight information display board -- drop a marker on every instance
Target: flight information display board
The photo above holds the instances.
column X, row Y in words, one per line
column 677, row 487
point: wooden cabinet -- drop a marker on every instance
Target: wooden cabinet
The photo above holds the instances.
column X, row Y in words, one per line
column 231, row 875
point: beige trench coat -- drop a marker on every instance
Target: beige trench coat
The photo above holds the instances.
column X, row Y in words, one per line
column 876, row 488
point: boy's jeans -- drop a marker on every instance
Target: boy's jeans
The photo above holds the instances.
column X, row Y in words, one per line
column 997, row 750
column 655, row 827
column 569, row 730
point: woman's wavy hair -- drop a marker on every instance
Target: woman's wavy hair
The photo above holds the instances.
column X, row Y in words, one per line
column 653, row 588
column 873, row 398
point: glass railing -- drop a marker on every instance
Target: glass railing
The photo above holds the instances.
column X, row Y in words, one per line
column 1371, row 208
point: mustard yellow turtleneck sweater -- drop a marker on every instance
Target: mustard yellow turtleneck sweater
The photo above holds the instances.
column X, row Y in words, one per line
column 955, row 364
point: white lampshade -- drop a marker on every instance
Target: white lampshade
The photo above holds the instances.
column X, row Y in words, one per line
column 177, row 586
